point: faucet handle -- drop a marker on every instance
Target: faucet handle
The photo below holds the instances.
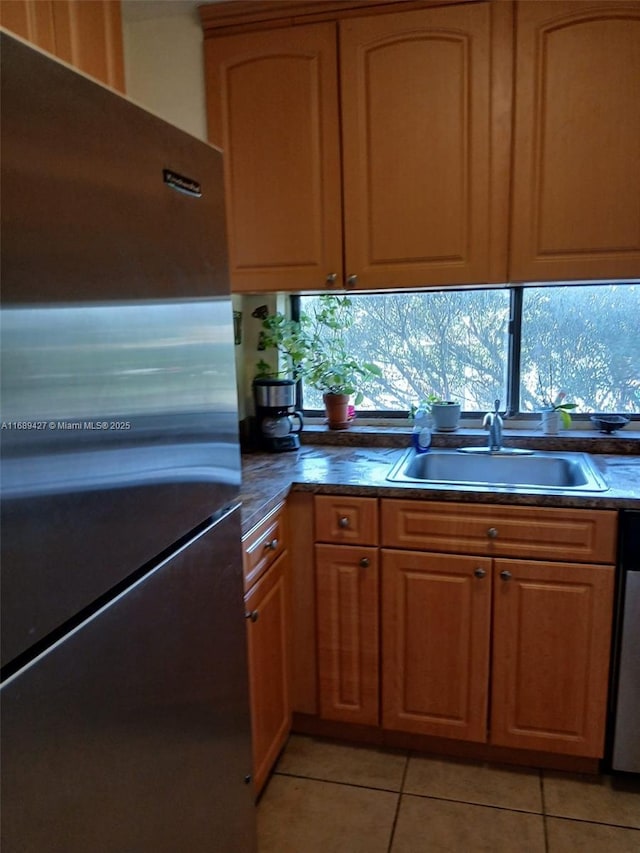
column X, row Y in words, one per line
column 497, row 406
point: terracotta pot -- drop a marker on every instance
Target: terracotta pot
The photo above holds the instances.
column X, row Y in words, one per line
column 337, row 406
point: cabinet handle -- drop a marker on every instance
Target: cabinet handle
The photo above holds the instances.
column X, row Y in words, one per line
column 492, row 533
column 343, row 522
column 505, row 575
column 364, row 563
column 331, row 279
column 252, row 615
column 271, row 545
column 479, row 573
column 352, row 281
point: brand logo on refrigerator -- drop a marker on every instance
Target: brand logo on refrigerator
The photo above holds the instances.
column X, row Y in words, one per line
column 182, row 183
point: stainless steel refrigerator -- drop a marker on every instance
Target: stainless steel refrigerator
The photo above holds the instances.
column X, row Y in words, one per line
column 125, row 718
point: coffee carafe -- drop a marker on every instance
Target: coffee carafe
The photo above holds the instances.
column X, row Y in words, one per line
column 278, row 422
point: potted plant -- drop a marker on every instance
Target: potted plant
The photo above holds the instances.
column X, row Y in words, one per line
column 445, row 413
column 554, row 408
column 315, row 349
column 554, row 412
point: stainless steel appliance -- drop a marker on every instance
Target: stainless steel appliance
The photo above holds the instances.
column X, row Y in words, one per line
column 626, row 718
column 125, row 718
column 278, row 422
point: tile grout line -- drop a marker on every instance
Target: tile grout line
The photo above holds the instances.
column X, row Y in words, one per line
column 544, row 811
column 397, row 812
column 336, row 782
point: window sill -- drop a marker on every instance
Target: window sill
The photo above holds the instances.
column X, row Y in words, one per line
column 363, row 434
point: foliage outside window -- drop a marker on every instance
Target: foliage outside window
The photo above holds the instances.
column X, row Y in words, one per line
column 462, row 345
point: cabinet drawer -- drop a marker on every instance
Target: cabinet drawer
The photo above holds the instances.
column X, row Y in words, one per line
column 346, row 520
column 576, row 535
column 263, row 545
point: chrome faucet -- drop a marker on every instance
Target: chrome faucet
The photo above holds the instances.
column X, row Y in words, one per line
column 493, row 422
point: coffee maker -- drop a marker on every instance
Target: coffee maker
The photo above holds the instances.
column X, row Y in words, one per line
column 278, row 422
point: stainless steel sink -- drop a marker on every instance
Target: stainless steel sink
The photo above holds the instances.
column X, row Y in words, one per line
column 540, row 471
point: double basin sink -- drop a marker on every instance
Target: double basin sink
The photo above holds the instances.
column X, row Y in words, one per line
column 510, row 469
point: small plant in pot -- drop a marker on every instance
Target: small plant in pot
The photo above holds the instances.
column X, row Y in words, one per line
column 444, row 413
column 328, row 366
column 555, row 410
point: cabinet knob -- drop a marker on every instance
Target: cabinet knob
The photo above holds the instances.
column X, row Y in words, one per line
column 479, row 573
column 492, row 533
column 505, row 575
column 331, row 279
column 364, row 563
column 343, row 522
column 352, row 281
column 252, row 615
column 271, row 545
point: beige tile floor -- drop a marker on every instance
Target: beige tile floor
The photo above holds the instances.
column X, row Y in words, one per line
column 327, row 797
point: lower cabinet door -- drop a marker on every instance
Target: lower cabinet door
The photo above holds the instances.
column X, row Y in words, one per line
column 551, row 647
column 347, row 632
column 436, row 614
column 269, row 681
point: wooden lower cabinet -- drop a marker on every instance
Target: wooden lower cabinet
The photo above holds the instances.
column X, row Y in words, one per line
column 436, row 617
column 266, row 608
column 551, row 647
column 510, row 655
column 347, row 633
column 545, row 643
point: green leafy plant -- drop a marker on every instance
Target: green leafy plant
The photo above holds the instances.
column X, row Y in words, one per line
column 425, row 404
column 315, row 348
column 329, row 366
column 292, row 343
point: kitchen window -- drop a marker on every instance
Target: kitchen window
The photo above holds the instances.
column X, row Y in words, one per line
column 517, row 344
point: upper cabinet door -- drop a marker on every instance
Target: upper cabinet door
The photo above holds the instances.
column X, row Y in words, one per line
column 576, row 174
column 85, row 33
column 417, row 136
column 31, row 20
column 89, row 36
column 272, row 103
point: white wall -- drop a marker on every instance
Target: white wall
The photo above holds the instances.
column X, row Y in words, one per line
column 164, row 69
column 164, row 72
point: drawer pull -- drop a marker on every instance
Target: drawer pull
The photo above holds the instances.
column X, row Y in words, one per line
column 344, row 522
column 252, row 615
column 271, row 545
column 479, row 573
column 364, row 563
column 505, row 575
column 492, row 533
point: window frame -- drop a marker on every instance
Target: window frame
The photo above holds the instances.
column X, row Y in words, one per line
column 511, row 406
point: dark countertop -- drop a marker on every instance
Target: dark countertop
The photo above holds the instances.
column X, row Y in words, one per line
column 362, row 470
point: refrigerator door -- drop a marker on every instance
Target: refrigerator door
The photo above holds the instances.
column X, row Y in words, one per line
column 132, row 732
column 119, row 405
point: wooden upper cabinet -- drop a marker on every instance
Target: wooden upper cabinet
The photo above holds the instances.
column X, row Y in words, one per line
column 31, row 20
column 576, row 170
column 421, row 202
column 84, row 33
column 272, row 103
column 89, row 36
